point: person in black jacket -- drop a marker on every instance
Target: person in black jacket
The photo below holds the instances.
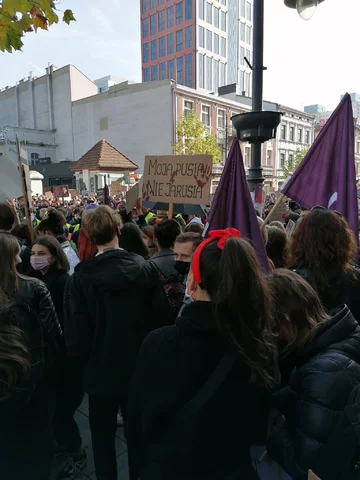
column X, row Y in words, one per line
column 324, row 354
column 112, row 302
column 228, row 317
column 323, row 251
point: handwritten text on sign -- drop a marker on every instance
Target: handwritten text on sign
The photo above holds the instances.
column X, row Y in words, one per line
column 177, row 179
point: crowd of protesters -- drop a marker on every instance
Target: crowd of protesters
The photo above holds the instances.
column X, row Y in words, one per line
column 203, row 354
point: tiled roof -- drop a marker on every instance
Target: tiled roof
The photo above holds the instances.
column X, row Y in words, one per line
column 106, row 157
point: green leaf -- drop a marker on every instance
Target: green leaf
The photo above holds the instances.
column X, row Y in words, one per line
column 68, row 17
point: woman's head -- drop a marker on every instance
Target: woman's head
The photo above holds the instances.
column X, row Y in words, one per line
column 228, row 273
column 22, row 232
column 131, row 240
column 47, row 252
column 278, row 224
column 276, row 246
column 297, row 310
column 324, row 243
column 9, row 258
column 53, row 224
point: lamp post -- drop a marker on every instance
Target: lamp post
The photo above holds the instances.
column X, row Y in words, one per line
column 305, row 8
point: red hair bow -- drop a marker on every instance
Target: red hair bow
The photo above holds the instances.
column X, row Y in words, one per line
column 223, row 236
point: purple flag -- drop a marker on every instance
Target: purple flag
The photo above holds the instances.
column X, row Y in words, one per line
column 233, row 207
column 327, row 174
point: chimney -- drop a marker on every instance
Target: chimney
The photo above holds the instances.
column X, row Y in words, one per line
column 30, row 76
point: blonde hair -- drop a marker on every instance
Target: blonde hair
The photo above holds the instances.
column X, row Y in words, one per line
column 101, row 224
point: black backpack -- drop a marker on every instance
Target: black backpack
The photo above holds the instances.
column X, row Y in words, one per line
column 174, row 288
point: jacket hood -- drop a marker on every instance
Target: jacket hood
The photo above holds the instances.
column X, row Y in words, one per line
column 197, row 316
column 339, row 327
column 111, row 270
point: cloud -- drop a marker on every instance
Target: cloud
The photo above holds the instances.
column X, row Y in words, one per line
column 102, row 19
column 116, row 3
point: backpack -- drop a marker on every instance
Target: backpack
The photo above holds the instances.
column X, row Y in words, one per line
column 159, row 451
column 174, row 288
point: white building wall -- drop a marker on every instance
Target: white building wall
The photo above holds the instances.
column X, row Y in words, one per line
column 41, row 103
column 137, row 120
column 8, row 107
column 81, row 86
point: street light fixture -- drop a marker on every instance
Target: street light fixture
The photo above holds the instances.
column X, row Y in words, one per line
column 305, row 8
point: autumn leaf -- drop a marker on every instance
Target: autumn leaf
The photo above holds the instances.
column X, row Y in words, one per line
column 35, row 11
column 40, row 22
column 68, row 17
column 15, row 39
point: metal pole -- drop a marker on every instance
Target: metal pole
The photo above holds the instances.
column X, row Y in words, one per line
column 255, row 175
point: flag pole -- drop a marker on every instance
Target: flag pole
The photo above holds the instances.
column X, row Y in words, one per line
column 25, row 193
column 272, row 211
column 171, row 210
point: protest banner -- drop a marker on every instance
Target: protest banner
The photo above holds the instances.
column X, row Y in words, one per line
column 73, row 192
column 10, row 184
column 177, row 179
column 133, row 195
column 49, row 195
column 116, row 188
column 25, row 186
column 61, row 191
column 312, row 476
column 278, row 211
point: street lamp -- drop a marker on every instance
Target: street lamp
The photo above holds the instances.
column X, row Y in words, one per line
column 305, row 8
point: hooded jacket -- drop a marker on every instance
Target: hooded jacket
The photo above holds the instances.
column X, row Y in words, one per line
column 326, row 372
column 173, row 365
column 111, row 303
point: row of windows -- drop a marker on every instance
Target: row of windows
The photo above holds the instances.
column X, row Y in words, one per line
column 167, row 45
column 173, row 15
column 301, row 138
column 212, row 15
column 212, row 41
column 211, row 73
column 244, row 53
column 179, row 69
column 245, row 33
column 290, row 158
column 246, row 10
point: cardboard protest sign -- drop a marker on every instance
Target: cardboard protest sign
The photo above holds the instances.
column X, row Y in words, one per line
column 280, row 212
column 60, row 191
column 116, row 188
column 49, row 195
column 177, row 179
column 132, row 196
column 73, row 192
column 312, row 476
column 10, row 180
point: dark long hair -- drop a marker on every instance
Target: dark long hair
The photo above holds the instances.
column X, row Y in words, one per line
column 9, row 278
column 276, row 247
column 61, row 263
column 131, row 241
column 54, row 222
column 324, row 243
column 240, row 296
column 298, row 311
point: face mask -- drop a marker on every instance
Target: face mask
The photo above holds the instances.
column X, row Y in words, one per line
column 39, row 263
column 182, row 267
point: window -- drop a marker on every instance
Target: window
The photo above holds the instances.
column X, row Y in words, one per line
column 161, row 2
column 242, row 80
column 146, row 74
column 170, row 17
column 242, row 56
column 188, row 70
column 162, row 68
column 208, row 73
column 201, row 60
column 188, row 37
column 170, row 43
column 153, row 49
column 248, row 55
column 242, row 8
column 290, row 160
column 146, row 52
column 209, row 40
column 282, row 160
column 205, row 115
column 161, row 20
column 223, row 21
column 171, row 72
column 179, row 13
column 223, row 47
column 162, row 51
column 145, row 27
column 222, row 75
column 307, row 137
column 201, row 9
column 247, row 83
column 188, row 9
column 154, row 73
column 269, row 158
column 201, row 37
column 223, row 2
column 153, row 25
column 180, row 70
column 152, row 4
column 188, row 107
column 283, row 132
column 216, row 17
column 216, row 75
column 248, row 11
column 248, row 34
column 247, row 156
column 221, row 118
column 208, row 13
column 292, row 134
column 179, row 40
column 242, row 32
column 216, row 43
column 144, row 6
column 300, row 135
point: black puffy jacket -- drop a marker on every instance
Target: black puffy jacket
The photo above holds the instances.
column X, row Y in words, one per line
column 326, row 372
column 112, row 302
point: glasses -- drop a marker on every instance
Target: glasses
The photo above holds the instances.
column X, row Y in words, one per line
column 320, row 207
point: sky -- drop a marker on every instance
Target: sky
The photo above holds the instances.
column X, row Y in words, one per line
column 308, row 62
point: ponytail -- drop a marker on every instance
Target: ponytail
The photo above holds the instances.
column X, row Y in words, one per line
column 242, row 305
